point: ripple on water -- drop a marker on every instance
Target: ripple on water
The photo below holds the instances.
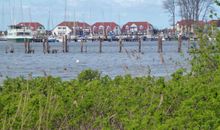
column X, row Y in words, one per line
column 110, row 62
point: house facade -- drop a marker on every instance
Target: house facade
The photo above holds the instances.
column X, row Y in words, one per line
column 188, row 26
column 72, row 29
column 137, row 28
column 105, row 29
column 36, row 28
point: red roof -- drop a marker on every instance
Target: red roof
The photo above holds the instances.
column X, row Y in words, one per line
column 33, row 25
column 190, row 22
column 215, row 22
column 145, row 25
column 74, row 24
column 112, row 25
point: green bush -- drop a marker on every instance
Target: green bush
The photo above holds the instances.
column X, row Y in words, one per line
column 105, row 103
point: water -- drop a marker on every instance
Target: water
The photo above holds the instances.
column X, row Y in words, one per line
column 110, row 62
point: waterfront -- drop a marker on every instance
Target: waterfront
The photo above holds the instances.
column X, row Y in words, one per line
column 110, row 62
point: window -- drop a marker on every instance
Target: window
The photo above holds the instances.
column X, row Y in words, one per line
column 101, row 27
column 127, row 27
column 141, row 27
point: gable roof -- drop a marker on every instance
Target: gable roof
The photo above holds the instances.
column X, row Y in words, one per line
column 145, row 25
column 105, row 24
column 215, row 22
column 32, row 25
column 71, row 24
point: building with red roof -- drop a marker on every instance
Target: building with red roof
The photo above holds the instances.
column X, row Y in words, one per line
column 215, row 23
column 72, row 28
column 105, row 28
column 36, row 27
column 185, row 26
column 137, row 28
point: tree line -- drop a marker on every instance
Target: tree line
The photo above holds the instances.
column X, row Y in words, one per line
column 194, row 10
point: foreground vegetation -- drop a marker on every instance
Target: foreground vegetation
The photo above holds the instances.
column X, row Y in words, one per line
column 187, row 101
column 95, row 102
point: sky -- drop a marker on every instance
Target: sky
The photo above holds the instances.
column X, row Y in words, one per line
column 52, row 12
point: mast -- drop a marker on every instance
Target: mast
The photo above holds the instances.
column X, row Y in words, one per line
column 48, row 22
column 3, row 15
column 65, row 14
column 21, row 6
column 74, row 15
column 103, row 22
column 10, row 10
column 13, row 13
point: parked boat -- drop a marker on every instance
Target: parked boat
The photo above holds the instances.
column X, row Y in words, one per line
column 52, row 39
column 19, row 33
column 3, row 38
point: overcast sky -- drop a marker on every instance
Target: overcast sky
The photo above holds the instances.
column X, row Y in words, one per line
column 120, row 11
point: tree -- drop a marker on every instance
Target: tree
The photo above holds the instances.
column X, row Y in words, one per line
column 170, row 7
column 194, row 9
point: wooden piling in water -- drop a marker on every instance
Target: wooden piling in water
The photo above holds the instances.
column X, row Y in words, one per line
column 139, row 45
column 25, row 46
column 100, row 45
column 65, row 44
column 81, row 46
column 120, row 45
column 46, row 46
column 179, row 43
column 9, row 49
column 160, row 44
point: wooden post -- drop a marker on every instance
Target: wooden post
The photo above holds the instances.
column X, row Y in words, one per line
column 179, row 43
column 47, row 46
column 25, row 45
column 65, row 47
column 139, row 45
column 44, row 45
column 100, row 45
column 28, row 47
column 120, row 45
column 12, row 49
column 160, row 44
column 81, row 46
column 66, row 41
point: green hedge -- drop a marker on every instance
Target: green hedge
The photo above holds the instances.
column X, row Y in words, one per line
column 103, row 103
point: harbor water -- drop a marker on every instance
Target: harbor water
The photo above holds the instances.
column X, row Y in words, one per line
column 109, row 62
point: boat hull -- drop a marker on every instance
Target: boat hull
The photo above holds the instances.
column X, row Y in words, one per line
column 20, row 40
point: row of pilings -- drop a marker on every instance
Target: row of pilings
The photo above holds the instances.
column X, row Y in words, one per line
column 83, row 48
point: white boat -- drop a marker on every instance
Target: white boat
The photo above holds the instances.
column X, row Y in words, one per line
column 3, row 38
column 52, row 39
column 19, row 33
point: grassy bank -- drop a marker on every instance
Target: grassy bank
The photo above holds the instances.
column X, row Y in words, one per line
column 94, row 102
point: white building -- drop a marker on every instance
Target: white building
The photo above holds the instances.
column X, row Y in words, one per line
column 138, row 28
column 71, row 28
